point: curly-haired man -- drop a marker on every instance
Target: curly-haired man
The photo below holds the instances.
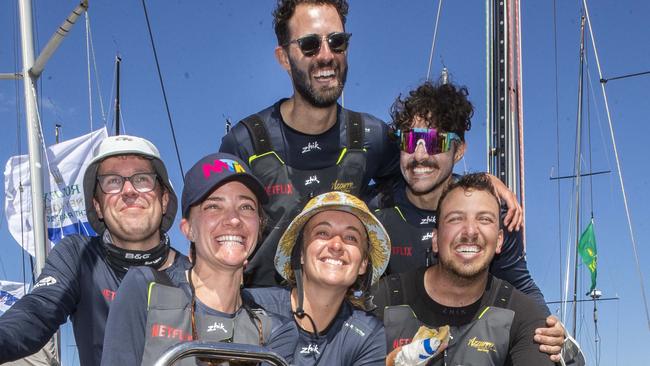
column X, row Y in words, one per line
column 430, row 124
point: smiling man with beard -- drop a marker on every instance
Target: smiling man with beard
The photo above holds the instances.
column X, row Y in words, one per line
column 309, row 144
column 491, row 322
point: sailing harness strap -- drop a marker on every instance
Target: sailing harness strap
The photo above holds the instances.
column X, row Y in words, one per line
column 483, row 341
column 171, row 318
column 289, row 187
column 262, row 142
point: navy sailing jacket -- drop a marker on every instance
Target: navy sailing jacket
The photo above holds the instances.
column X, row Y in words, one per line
column 76, row 282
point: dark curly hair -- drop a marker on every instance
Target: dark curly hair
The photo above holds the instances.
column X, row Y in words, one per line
column 443, row 106
column 284, row 11
column 470, row 182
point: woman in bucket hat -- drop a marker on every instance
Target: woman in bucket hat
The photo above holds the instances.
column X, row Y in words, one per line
column 222, row 219
column 330, row 255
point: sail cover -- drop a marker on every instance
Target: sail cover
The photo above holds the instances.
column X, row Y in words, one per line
column 65, row 209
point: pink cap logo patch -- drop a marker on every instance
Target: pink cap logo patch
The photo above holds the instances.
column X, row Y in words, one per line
column 220, row 165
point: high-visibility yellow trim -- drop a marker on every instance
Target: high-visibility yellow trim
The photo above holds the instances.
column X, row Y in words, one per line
column 253, row 157
column 345, row 150
column 400, row 213
column 483, row 312
column 149, row 294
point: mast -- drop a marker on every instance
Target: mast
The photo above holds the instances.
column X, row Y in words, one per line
column 502, row 100
column 505, row 128
column 33, row 134
column 31, row 71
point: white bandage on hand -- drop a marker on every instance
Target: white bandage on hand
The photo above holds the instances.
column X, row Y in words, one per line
column 417, row 353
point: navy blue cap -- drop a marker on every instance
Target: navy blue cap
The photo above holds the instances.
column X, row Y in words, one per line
column 214, row 170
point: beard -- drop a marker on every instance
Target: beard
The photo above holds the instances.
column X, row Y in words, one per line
column 318, row 98
column 465, row 273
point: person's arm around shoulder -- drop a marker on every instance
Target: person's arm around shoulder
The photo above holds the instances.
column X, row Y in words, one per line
column 46, row 307
column 551, row 338
column 514, row 218
column 125, row 334
column 524, row 351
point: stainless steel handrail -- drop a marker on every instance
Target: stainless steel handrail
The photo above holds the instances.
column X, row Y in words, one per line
column 220, row 350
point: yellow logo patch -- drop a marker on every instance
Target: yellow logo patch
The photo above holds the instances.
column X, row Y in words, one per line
column 342, row 186
column 481, row 346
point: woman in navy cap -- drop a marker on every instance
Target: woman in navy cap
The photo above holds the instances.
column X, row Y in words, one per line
column 222, row 219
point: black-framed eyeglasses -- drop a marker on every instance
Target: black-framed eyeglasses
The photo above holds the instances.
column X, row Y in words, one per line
column 113, row 183
column 310, row 44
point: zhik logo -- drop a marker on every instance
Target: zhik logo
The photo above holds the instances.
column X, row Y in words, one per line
column 310, row 146
column 428, row 220
column 312, row 179
column 217, row 326
column 311, row 348
column 427, row 236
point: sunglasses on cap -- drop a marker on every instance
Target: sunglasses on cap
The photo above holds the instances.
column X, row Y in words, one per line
column 434, row 142
column 310, row 44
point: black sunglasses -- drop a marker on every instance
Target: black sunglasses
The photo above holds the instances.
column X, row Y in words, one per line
column 310, row 44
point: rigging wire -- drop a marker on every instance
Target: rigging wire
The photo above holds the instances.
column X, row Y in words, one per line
column 577, row 166
column 433, row 41
column 557, row 142
column 589, row 148
column 598, row 119
column 624, row 76
column 520, row 119
column 110, row 109
column 597, row 340
column 569, row 257
column 90, row 82
column 488, row 82
column 619, row 169
column 162, row 86
column 94, row 58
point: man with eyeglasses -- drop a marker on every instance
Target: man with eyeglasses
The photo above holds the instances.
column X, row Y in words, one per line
column 430, row 125
column 130, row 203
column 308, row 144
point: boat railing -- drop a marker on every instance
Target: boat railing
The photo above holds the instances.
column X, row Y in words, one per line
column 220, row 351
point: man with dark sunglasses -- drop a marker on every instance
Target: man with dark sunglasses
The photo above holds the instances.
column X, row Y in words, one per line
column 130, row 203
column 309, row 144
column 430, row 125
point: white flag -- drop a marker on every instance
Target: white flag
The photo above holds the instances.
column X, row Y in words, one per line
column 10, row 292
column 65, row 210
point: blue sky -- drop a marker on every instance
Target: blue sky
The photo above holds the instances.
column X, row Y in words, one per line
column 217, row 61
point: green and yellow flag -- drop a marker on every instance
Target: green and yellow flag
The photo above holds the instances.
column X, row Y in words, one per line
column 588, row 253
